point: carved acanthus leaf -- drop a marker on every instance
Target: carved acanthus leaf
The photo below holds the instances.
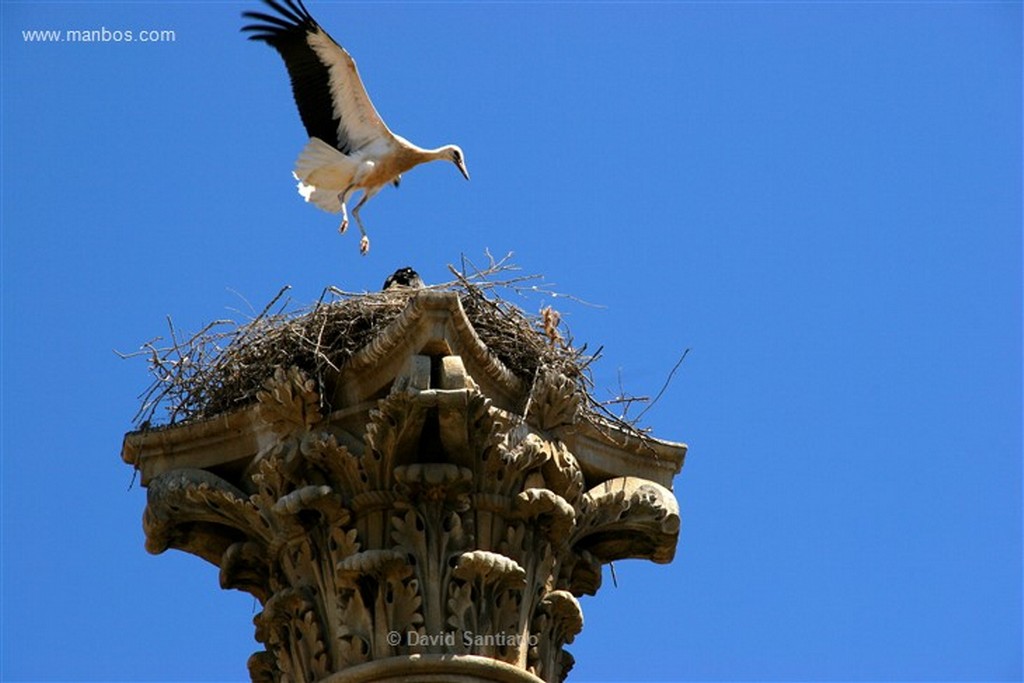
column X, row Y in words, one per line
column 197, row 511
column 628, row 517
column 562, row 473
column 432, row 535
column 581, row 573
column 557, row 621
column 379, row 596
column 554, row 401
column 292, row 632
column 566, row 615
column 262, row 668
column 501, row 467
column 393, row 431
column 244, row 566
column 336, row 464
column 555, row 515
column 489, row 568
column 484, row 598
column 271, row 486
column 376, row 563
column 318, row 499
column 289, row 402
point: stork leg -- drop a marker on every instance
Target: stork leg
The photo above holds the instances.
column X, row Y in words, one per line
column 364, row 243
column 343, row 198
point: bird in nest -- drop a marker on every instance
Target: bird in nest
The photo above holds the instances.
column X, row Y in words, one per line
column 403, row 277
column 350, row 148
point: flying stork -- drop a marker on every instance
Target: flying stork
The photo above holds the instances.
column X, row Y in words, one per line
column 350, row 147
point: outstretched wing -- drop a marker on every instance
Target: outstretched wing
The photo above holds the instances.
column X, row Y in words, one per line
column 330, row 95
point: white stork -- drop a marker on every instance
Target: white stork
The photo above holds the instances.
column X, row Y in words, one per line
column 350, row 148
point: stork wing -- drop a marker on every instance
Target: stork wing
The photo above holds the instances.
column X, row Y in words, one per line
column 330, row 95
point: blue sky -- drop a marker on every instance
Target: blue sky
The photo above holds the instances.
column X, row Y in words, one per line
column 821, row 201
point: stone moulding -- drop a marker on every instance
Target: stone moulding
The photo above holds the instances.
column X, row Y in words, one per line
column 428, row 515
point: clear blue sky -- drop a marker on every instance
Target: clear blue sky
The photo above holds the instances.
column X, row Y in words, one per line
column 822, row 201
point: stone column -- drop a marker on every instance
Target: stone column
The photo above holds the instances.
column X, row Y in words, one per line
column 437, row 522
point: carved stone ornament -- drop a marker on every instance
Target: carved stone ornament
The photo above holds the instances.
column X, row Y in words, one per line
column 433, row 518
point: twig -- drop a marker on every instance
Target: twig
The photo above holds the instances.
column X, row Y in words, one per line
column 668, row 380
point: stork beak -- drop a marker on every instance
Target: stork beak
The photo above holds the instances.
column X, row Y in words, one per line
column 462, row 168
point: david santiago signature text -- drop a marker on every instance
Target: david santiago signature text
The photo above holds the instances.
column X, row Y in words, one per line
column 465, row 638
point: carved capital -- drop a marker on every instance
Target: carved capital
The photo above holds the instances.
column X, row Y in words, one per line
column 427, row 521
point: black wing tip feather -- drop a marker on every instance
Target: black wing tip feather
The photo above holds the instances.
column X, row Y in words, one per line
column 293, row 18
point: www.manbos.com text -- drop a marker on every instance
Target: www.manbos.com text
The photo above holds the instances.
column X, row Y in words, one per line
column 98, row 35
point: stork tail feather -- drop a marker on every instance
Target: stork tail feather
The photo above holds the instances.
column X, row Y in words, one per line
column 323, row 172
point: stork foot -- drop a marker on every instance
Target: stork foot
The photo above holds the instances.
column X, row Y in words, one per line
column 364, row 245
column 344, row 226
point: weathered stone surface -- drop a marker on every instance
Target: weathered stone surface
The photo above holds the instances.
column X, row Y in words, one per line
column 435, row 519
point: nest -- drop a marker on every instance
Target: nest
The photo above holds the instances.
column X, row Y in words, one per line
column 224, row 365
